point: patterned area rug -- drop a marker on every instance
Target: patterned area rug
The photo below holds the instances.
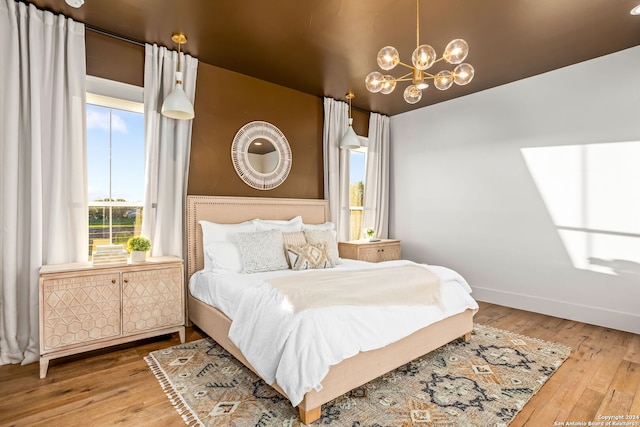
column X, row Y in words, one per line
column 482, row 383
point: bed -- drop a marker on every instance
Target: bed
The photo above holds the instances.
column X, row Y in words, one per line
column 349, row 373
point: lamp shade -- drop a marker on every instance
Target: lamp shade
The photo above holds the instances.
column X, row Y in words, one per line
column 75, row 3
column 350, row 139
column 177, row 105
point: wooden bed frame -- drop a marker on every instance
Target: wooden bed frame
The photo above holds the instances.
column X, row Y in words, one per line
column 348, row 374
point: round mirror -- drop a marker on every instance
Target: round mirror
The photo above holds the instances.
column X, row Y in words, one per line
column 261, row 155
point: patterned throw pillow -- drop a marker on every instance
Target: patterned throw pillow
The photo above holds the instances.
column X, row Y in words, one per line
column 262, row 251
column 328, row 237
column 295, row 238
column 309, row 256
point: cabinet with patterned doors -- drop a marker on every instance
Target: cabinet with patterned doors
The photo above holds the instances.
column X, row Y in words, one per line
column 364, row 250
column 85, row 307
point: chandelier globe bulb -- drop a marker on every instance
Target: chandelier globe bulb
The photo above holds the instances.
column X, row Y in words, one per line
column 389, row 85
column 423, row 57
column 456, row 51
column 388, row 58
column 443, row 80
column 374, row 81
column 412, row 94
column 463, row 74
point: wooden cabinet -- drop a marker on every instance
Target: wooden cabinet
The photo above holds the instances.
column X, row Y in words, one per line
column 363, row 250
column 85, row 307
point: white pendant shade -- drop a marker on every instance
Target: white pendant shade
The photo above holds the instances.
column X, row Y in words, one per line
column 75, row 3
column 177, row 105
column 350, row 140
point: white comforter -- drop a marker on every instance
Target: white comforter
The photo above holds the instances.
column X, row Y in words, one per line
column 297, row 350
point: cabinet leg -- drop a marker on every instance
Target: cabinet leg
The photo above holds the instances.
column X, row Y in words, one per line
column 181, row 333
column 44, row 366
column 466, row 337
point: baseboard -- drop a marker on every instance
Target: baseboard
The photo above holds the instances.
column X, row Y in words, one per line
column 582, row 313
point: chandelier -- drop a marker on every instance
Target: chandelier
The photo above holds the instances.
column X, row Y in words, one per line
column 424, row 56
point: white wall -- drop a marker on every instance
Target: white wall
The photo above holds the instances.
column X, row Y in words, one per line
column 514, row 188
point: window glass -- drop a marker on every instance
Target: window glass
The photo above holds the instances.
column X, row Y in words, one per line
column 115, row 170
column 357, row 162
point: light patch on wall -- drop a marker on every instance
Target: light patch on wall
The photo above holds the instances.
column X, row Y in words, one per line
column 592, row 193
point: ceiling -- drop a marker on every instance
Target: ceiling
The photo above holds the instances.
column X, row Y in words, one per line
column 327, row 47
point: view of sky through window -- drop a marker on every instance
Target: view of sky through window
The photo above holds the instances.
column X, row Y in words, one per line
column 356, row 166
column 115, row 156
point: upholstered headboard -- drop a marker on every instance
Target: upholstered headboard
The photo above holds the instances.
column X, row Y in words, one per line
column 229, row 210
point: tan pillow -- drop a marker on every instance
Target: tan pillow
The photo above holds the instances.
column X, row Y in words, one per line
column 327, row 237
column 295, row 238
column 309, row 256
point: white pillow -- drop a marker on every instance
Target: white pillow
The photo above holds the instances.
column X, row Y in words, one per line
column 223, row 256
column 214, row 254
column 325, row 226
column 289, row 226
column 214, row 232
column 322, row 227
column 325, row 236
column 262, row 251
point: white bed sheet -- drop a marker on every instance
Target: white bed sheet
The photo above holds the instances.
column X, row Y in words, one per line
column 298, row 350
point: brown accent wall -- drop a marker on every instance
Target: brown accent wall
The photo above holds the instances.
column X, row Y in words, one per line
column 360, row 122
column 114, row 59
column 226, row 101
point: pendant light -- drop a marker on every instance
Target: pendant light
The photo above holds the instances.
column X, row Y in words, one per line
column 350, row 140
column 177, row 105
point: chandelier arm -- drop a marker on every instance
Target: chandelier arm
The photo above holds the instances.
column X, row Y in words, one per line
column 403, row 79
column 406, row 65
column 404, row 76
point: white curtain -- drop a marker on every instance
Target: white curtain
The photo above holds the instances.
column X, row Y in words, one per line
column 43, row 190
column 376, row 189
column 336, row 165
column 167, row 151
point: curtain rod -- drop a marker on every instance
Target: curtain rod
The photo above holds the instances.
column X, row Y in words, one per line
column 115, row 36
column 89, row 27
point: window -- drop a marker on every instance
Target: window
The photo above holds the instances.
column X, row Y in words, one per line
column 115, row 168
column 357, row 173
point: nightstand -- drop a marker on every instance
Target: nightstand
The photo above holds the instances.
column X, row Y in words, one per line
column 85, row 307
column 364, row 250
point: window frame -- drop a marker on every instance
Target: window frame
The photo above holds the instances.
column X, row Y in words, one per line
column 118, row 96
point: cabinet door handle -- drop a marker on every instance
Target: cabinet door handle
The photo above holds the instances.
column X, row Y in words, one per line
column 126, row 280
column 113, row 281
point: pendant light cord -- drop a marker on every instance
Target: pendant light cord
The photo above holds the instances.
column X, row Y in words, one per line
column 179, row 63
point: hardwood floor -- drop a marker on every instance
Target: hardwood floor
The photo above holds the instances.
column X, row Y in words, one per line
column 115, row 386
